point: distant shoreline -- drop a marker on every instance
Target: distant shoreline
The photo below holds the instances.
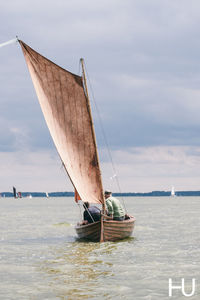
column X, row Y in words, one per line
column 131, row 194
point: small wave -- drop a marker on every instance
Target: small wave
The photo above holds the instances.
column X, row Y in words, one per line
column 63, row 224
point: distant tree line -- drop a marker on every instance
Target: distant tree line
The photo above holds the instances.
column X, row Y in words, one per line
column 71, row 194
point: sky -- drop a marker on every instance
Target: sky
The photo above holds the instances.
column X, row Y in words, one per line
column 143, row 64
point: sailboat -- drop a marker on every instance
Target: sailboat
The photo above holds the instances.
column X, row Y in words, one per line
column 64, row 100
column 14, row 192
column 173, row 194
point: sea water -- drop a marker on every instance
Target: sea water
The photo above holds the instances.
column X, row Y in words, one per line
column 41, row 258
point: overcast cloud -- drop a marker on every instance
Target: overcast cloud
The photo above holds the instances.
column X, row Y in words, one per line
column 143, row 61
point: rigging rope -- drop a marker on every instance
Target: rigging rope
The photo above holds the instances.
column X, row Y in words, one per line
column 105, row 139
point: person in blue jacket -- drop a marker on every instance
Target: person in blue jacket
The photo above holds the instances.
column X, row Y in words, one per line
column 91, row 213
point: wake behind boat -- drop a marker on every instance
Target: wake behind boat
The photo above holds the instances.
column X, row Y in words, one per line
column 64, row 100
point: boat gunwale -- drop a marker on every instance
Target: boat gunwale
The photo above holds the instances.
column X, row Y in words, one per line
column 113, row 222
column 86, row 225
column 127, row 221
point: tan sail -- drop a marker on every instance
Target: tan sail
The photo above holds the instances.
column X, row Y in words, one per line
column 67, row 114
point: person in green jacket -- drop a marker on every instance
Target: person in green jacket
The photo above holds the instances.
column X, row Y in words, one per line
column 114, row 207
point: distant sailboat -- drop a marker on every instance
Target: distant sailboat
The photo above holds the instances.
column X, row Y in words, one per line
column 64, row 101
column 173, row 194
column 47, row 195
column 15, row 192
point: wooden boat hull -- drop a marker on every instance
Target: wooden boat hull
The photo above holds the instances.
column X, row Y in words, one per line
column 112, row 230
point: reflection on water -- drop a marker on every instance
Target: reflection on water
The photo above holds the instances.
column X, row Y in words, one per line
column 80, row 267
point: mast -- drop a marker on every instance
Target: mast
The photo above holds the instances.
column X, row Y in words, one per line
column 93, row 133
column 92, row 124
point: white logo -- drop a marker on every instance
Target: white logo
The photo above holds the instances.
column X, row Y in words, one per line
column 181, row 287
